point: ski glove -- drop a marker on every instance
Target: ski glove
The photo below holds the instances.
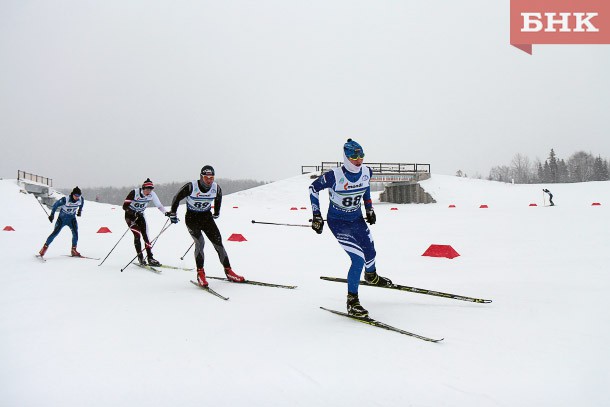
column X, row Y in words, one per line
column 79, row 213
column 371, row 218
column 172, row 217
column 51, row 217
column 317, row 223
column 216, row 216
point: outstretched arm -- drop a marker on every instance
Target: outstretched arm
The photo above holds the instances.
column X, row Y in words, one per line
column 158, row 203
column 183, row 193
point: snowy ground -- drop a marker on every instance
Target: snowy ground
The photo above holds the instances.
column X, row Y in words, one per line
column 73, row 333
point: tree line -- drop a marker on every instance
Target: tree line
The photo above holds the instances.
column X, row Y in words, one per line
column 166, row 192
column 579, row 167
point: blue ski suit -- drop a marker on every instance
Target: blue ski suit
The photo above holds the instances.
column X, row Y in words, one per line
column 347, row 192
column 68, row 209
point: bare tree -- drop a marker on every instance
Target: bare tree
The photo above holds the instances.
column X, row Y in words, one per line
column 581, row 166
column 521, row 169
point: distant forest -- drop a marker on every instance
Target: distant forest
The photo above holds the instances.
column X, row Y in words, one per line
column 166, row 192
column 579, row 167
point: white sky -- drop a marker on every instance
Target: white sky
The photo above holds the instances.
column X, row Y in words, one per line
column 110, row 92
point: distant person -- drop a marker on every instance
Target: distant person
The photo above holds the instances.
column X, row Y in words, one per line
column 200, row 194
column 69, row 207
column 550, row 196
column 134, row 205
column 349, row 187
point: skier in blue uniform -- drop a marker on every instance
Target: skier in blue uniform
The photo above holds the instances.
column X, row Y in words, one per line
column 349, row 187
column 69, row 207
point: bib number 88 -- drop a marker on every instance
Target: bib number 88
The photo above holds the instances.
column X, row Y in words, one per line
column 351, row 201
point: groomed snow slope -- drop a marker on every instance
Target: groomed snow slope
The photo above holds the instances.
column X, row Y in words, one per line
column 73, row 333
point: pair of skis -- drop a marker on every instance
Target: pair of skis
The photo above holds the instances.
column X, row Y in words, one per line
column 252, row 282
column 41, row 258
column 155, row 269
column 370, row 321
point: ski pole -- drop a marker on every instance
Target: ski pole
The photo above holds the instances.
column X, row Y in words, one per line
column 40, row 203
column 187, row 250
column 111, row 250
column 163, row 229
column 280, row 224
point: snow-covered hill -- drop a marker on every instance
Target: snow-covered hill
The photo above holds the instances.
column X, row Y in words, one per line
column 73, row 333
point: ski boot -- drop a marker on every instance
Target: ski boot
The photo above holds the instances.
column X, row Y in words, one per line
column 231, row 276
column 354, row 308
column 375, row 279
column 201, row 278
column 153, row 262
column 43, row 250
column 74, row 252
column 141, row 260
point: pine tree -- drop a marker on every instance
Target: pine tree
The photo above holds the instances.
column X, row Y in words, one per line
column 546, row 172
column 600, row 170
column 563, row 174
column 553, row 170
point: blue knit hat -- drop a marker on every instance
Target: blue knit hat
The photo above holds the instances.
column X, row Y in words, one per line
column 352, row 149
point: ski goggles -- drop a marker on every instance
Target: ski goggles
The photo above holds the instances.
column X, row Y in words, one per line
column 356, row 155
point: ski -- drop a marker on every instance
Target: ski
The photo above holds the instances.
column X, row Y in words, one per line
column 290, row 287
column 175, row 268
column 208, row 289
column 147, row 267
column 415, row 290
column 39, row 257
column 81, row 257
column 378, row 324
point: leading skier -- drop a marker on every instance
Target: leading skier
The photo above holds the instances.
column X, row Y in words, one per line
column 349, row 187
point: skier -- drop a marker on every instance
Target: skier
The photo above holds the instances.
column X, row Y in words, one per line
column 135, row 203
column 69, row 207
column 550, row 196
column 199, row 196
column 348, row 188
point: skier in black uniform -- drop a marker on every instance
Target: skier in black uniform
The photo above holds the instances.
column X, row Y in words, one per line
column 550, row 196
column 134, row 205
column 199, row 196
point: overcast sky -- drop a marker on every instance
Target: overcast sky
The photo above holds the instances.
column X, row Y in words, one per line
column 110, row 92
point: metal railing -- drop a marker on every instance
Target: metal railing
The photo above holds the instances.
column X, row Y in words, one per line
column 378, row 168
column 22, row 175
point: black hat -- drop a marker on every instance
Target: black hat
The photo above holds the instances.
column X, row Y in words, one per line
column 148, row 184
column 76, row 191
column 207, row 170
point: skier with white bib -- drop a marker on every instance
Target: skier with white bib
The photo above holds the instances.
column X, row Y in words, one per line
column 134, row 205
column 69, row 207
column 349, row 187
column 200, row 196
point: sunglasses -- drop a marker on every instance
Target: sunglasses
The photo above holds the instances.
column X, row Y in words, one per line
column 76, row 195
column 356, row 156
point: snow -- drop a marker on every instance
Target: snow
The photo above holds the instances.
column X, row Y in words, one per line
column 73, row 333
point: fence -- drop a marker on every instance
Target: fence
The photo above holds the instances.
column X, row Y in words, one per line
column 22, row 175
column 378, row 168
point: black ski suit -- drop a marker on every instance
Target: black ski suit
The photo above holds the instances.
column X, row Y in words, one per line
column 203, row 221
